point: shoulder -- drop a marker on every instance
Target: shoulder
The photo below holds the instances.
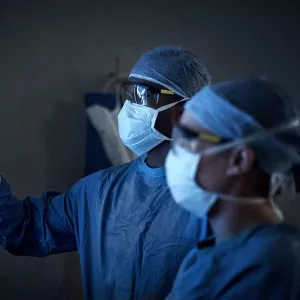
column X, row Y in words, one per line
column 276, row 246
column 269, row 261
column 272, row 258
column 103, row 177
column 268, row 257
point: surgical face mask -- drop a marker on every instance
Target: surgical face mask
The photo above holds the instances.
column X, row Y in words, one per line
column 181, row 169
column 136, row 126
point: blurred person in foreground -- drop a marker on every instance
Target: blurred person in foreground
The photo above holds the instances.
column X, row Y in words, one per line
column 233, row 153
column 130, row 234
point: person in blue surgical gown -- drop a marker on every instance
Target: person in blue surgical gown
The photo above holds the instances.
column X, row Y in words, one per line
column 232, row 156
column 130, row 234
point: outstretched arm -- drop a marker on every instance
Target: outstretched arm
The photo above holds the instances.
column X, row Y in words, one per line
column 37, row 226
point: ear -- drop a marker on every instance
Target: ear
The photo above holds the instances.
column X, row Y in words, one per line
column 241, row 161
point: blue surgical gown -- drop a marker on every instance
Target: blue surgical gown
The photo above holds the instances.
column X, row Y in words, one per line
column 130, row 234
column 261, row 264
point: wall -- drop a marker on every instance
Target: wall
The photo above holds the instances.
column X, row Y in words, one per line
column 52, row 52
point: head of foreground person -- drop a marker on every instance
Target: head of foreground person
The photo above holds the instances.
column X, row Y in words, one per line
column 233, row 153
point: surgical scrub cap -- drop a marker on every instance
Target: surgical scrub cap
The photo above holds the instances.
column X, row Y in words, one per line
column 173, row 68
column 237, row 109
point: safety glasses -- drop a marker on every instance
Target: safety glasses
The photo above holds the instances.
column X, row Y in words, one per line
column 143, row 95
column 189, row 139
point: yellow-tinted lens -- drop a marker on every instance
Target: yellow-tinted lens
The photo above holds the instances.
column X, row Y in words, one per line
column 167, row 92
column 209, row 137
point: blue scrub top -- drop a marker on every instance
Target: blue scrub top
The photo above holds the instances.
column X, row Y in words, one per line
column 130, row 234
column 262, row 263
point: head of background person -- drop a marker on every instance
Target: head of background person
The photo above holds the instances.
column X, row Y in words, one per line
column 154, row 95
column 235, row 146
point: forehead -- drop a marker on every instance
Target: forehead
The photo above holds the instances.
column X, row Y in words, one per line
column 188, row 121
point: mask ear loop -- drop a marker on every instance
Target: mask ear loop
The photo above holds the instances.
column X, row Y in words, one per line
column 163, row 108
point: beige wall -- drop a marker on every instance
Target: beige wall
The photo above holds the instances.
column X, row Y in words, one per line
column 52, row 52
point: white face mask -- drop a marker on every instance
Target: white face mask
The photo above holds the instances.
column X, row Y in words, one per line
column 136, row 126
column 181, row 169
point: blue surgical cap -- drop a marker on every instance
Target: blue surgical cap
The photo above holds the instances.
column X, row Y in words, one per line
column 173, row 68
column 237, row 109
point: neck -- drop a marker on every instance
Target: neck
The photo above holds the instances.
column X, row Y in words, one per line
column 157, row 156
column 231, row 219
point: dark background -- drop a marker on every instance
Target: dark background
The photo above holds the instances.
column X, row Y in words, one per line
column 52, row 52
